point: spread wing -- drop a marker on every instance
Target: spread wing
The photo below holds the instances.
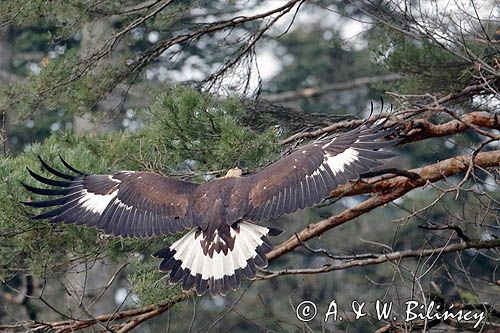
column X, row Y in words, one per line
column 126, row 203
column 309, row 174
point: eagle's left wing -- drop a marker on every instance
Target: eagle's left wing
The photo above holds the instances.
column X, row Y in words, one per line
column 126, row 203
column 309, row 174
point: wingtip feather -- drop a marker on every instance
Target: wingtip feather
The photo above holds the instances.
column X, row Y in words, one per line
column 53, row 171
column 67, row 165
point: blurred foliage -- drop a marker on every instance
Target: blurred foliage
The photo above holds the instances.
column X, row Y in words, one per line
column 64, row 15
column 316, row 56
column 427, row 67
column 63, row 85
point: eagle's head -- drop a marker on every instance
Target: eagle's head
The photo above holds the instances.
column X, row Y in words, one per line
column 235, row 172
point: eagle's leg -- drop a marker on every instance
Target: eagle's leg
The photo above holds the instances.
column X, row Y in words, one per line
column 217, row 260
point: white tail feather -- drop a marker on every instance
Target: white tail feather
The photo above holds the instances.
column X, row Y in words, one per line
column 189, row 251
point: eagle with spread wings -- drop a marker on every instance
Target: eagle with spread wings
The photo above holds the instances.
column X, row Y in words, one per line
column 224, row 243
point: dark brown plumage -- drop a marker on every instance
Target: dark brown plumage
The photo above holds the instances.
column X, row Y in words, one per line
column 224, row 244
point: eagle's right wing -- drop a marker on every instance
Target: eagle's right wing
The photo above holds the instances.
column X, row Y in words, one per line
column 309, row 174
column 126, row 203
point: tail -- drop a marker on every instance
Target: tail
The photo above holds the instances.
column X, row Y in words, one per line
column 217, row 261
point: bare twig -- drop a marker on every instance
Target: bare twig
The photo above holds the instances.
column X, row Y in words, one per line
column 393, row 256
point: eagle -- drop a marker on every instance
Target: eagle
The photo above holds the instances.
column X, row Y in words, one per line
column 224, row 242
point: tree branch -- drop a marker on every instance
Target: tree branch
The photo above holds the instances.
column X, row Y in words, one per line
column 415, row 129
column 389, row 189
column 136, row 316
column 393, row 256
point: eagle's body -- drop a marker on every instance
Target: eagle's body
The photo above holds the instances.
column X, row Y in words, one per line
column 224, row 243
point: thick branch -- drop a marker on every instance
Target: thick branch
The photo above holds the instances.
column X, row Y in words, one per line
column 484, row 119
column 421, row 129
column 429, row 173
column 416, row 129
column 391, row 189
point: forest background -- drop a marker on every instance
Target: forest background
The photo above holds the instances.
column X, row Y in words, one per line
column 190, row 89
